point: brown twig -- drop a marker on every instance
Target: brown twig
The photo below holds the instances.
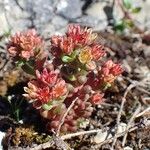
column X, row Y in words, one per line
column 69, row 136
column 120, row 111
column 147, row 110
column 130, row 122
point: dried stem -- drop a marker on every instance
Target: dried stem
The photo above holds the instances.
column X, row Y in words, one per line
column 68, row 136
column 121, row 134
column 147, row 110
column 130, row 123
column 120, row 111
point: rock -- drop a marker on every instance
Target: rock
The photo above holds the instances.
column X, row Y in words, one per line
column 117, row 13
column 127, row 66
column 46, row 30
column 101, row 136
column 41, row 12
column 96, row 16
column 128, row 148
column 93, row 22
column 4, row 27
column 15, row 20
column 59, row 22
column 2, row 134
column 69, row 9
column 142, row 72
column 97, row 10
column 122, row 127
column 146, row 51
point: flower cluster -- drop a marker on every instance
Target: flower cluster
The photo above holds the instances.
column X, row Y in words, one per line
column 110, row 71
column 47, row 87
column 79, row 46
column 76, row 71
column 25, row 45
column 27, row 49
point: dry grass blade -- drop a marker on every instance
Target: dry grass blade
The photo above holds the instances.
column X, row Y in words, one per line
column 130, row 123
column 121, row 109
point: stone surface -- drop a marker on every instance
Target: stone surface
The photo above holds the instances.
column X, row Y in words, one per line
column 52, row 16
column 59, row 22
column 2, row 134
column 101, row 136
column 128, row 148
column 96, row 10
column 70, row 9
column 122, row 127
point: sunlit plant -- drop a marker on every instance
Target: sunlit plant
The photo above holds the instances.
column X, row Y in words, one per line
column 69, row 79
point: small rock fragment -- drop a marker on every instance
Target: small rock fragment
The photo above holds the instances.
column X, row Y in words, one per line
column 122, row 127
column 101, row 136
column 128, row 148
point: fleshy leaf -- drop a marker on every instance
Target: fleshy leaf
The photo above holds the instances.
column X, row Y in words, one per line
column 67, row 59
column 20, row 63
column 28, row 68
column 70, row 58
column 119, row 26
column 136, row 10
column 72, row 78
column 47, row 106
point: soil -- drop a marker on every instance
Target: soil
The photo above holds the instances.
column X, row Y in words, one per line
column 134, row 53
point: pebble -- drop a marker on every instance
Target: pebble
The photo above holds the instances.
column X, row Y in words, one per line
column 2, row 134
column 122, row 127
column 96, row 10
column 101, row 136
column 128, row 148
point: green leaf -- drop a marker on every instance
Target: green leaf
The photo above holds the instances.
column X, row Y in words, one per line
column 72, row 78
column 20, row 62
column 129, row 23
column 28, row 68
column 127, row 4
column 70, row 58
column 66, row 59
column 136, row 10
column 119, row 26
column 106, row 86
column 47, row 106
column 7, row 32
column 51, row 104
column 74, row 54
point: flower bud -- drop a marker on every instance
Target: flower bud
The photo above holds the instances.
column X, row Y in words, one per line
column 87, row 89
column 70, row 87
column 44, row 113
column 82, row 79
column 90, row 65
column 54, row 124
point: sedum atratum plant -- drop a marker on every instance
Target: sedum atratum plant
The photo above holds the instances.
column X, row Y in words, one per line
column 73, row 70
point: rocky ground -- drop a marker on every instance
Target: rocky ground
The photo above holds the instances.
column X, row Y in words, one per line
column 52, row 16
column 132, row 50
